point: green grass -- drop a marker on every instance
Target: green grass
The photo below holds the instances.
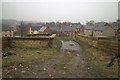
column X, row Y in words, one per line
column 26, row 57
column 98, row 60
column 58, row 42
column 29, row 56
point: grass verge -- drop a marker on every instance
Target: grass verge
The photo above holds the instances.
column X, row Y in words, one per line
column 97, row 61
column 25, row 57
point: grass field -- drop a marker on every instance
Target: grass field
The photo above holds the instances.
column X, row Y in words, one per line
column 98, row 61
column 25, row 57
column 17, row 65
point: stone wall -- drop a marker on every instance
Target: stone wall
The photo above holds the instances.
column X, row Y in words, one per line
column 31, row 42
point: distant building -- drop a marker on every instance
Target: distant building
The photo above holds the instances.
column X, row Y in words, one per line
column 7, row 31
column 105, row 30
column 88, row 30
column 45, row 30
column 100, row 29
column 35, row 28
column 55, row 29
column 72, row 28
column 114, row 25
column 89, row 27
column 80, row 29
column 42, row 30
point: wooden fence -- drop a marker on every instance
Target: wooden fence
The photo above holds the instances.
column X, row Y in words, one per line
column 108, row 44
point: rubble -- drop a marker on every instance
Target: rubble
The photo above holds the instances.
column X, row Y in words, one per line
column 6, row 54
column 77, row 54
column 44, row 69
column 8, row 72
column 23, row 71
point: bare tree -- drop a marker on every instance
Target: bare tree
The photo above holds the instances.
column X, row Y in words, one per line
column 23, row 29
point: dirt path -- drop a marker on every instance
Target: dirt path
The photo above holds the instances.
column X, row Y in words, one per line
column 68, row 63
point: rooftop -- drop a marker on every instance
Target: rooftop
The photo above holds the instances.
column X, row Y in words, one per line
column 7, row 28
column 42, row 29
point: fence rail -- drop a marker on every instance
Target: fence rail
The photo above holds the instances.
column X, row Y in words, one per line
column 109, row 44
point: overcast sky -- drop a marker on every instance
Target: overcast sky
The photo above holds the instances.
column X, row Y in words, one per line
column 119, row 10
column 71, row 11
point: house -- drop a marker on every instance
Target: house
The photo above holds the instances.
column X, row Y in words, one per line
column 79, row 29
column 68, row 30
column 45, row 30
column 72, row 28
column 88, row 30
column 55, row 29
column 35, row 27
column 89, row 27
column 7, row 31
column 114, row 25
column 38, row 29
column 99, row 29
column 104, row 30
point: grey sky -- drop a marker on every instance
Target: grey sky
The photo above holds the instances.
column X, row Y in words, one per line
column 60, row 11
column 119, row 10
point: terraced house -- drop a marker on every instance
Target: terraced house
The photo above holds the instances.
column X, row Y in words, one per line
column 100, row 29
column 105, row 30
column 39, row 30
column 7, row 31
column 88, row 30
column 45, row 30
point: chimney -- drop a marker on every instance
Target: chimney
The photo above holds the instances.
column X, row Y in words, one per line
column 30, row 30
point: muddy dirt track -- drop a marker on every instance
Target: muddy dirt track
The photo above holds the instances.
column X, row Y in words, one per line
column 68, row 63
